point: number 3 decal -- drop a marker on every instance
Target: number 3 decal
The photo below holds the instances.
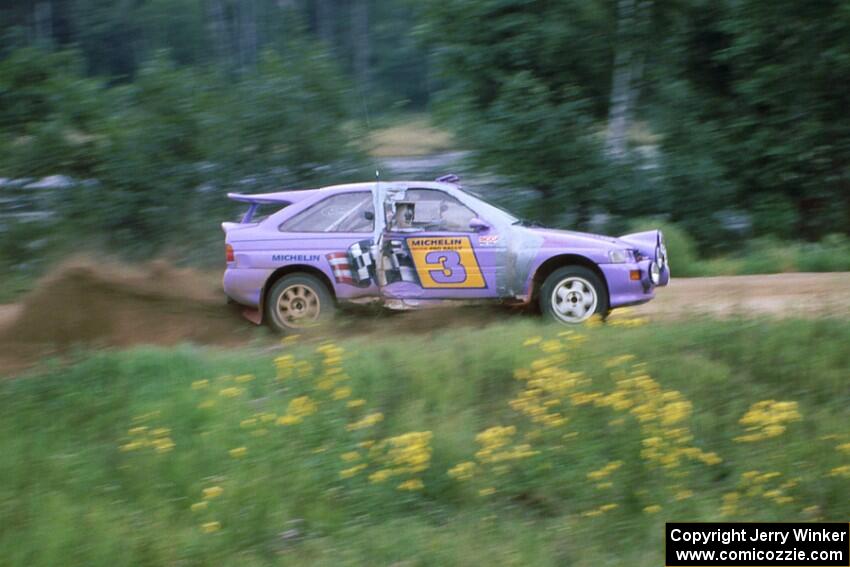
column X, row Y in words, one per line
column 451, row 271
column 446, row 262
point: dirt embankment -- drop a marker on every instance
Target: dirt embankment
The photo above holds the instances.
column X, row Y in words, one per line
column 94, row 303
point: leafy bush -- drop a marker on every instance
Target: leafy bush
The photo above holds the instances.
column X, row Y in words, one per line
column 832, row 254
column 768, row 255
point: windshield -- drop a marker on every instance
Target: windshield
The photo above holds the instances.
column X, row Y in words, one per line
column 507, row 215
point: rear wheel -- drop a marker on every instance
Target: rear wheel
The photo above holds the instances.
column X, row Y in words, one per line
column 572, row 295
column 298, row 301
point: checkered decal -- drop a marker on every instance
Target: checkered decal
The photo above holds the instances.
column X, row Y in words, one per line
column 360, row 257
column 354, row 267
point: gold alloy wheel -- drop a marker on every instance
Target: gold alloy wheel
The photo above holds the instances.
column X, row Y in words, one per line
column 299, row 306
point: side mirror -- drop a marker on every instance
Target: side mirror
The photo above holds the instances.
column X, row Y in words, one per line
column 478, row 225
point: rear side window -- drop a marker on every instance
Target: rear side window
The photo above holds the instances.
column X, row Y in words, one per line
column 346, row 212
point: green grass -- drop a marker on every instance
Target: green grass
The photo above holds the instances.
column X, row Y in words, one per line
column 79, row 488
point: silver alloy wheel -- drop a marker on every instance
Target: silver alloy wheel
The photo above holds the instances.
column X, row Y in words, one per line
column 574, row 300
column 299, row 306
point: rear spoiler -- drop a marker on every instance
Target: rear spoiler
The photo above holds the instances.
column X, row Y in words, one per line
column 282, row 198
column 262, row 198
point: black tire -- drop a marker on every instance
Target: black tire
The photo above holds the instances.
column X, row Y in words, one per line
column 585, row 279
column 306, row 297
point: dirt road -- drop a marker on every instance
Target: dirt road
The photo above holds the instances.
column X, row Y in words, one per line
column 777, row 295
column 115, row 305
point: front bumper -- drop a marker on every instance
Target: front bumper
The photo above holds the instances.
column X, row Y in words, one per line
column 623, row 290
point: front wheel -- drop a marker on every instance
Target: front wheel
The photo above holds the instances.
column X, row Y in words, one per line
column 573, row 295
column 298, row 301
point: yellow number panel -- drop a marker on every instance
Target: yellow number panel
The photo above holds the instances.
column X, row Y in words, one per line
column 446, row 262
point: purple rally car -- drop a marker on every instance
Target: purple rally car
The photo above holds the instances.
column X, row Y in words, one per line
column 414, row 244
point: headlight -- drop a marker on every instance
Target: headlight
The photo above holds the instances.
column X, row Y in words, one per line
column 654, row 273
column 619, row 256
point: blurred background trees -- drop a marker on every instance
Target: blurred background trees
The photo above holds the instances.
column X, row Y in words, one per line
column 726, row 118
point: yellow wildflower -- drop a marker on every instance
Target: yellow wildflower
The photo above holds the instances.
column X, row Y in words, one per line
column 163, row 444
column 653, row 509
column 489, row 491
column 766, row 419
column 380, row 476
column 200, row 384
column 212, row 492
column 350, row 456
column 843, row 471
column 231, row 392
column 462, row 471
column 348, row 473
column 198, row 506
column 238, row 452
column 367, row 421
column 355, row 403
column 211, row 527
column 412, row 484
column 684, row 494
column 342, row 393
column 244, row 378
column 288, row 420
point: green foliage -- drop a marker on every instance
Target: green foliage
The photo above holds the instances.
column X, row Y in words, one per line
column 119, row 446
column 524, row 92
column 160, row 153
column 770, row 256
column 749, row 90
column 741, row 94
column 832, row 254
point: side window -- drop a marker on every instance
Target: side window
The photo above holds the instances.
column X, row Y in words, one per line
column 453, row 215
column 346, row 212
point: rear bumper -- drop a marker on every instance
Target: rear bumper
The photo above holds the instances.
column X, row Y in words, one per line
column 245, row 285
column 623, row 290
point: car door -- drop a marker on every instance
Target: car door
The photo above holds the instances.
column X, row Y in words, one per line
column 435, row 247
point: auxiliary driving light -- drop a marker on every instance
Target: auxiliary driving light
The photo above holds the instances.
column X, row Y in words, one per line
column 654, row 273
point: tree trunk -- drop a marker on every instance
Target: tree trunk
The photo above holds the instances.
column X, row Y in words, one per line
column 632, row 21
column 619, row 110
column 360, row 40
column 324, row 21
column 247, row 33
column 43, row 20
column 219, row 31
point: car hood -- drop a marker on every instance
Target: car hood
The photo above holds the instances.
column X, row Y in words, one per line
column 580, row 239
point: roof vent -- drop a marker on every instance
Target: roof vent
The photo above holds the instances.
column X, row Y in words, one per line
column 448, row 178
